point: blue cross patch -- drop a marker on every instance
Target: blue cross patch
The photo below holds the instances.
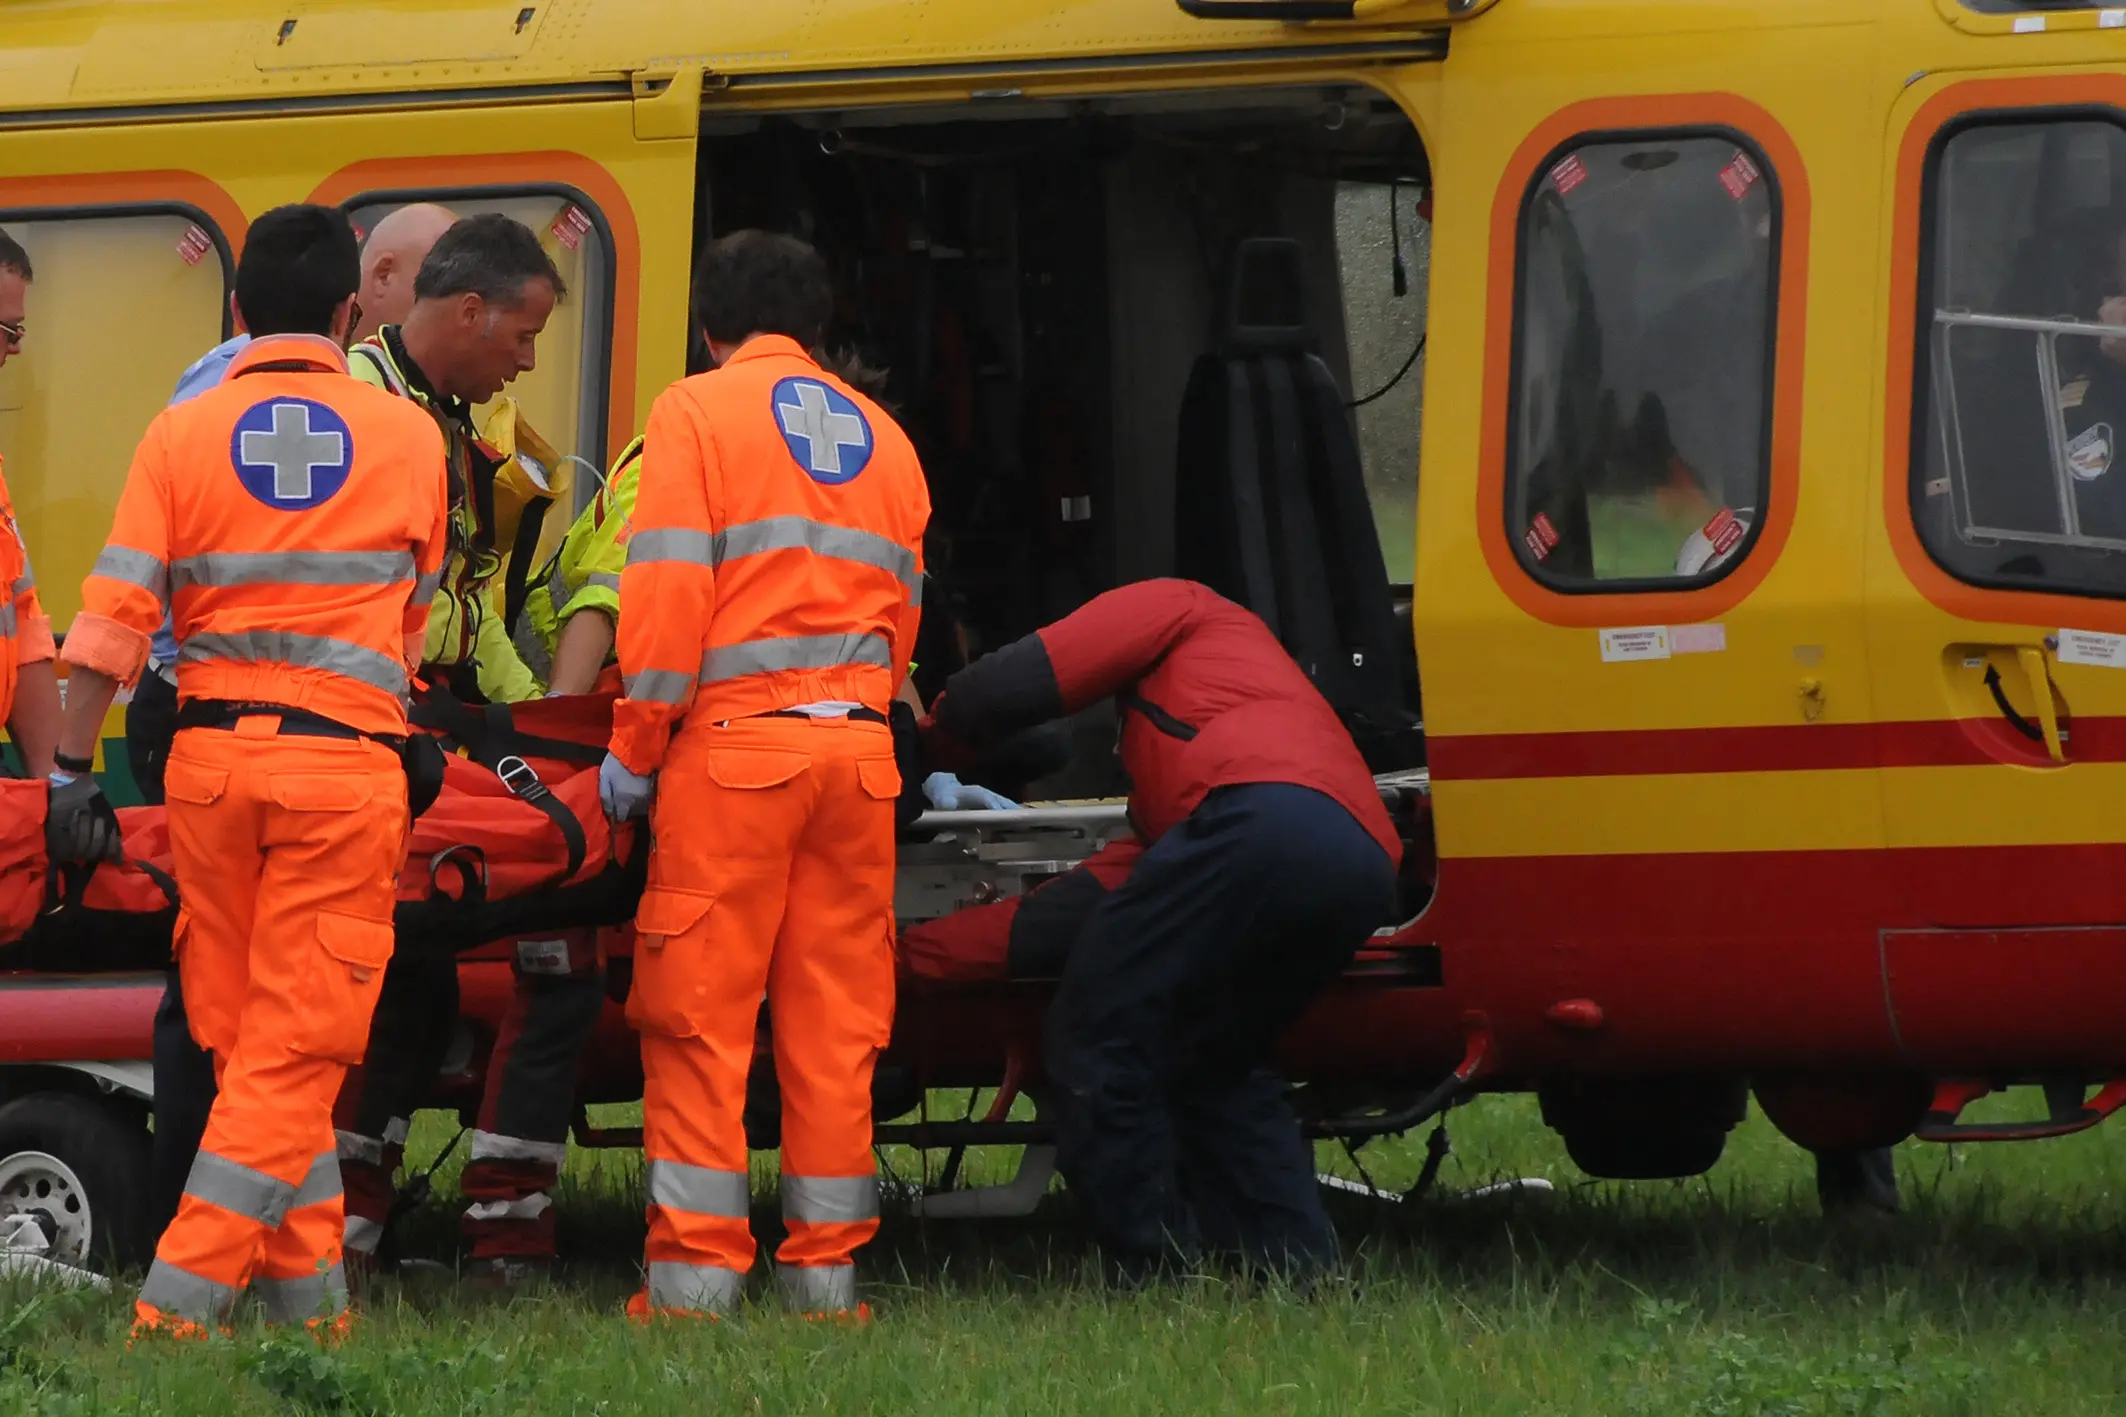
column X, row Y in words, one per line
column 292, row 454
column 827, row 433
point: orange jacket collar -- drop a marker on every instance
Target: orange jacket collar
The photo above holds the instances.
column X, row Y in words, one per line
column 762, row 346
column 314, row 350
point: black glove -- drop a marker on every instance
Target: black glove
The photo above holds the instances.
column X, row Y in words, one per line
column 81, row 826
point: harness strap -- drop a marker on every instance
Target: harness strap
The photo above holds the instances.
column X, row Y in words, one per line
column 490, row 734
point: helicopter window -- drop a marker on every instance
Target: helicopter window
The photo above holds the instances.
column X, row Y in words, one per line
column 2017, row 479
column 161, row 274
column 1640, row 435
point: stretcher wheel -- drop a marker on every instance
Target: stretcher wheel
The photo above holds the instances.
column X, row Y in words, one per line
column 80, row 1167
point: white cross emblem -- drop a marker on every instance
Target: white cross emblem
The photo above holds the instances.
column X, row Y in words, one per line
column 293, row 451
column 825, row 432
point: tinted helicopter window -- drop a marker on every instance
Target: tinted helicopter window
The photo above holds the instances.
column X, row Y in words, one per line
column 2020, row 384
column 1639, row 449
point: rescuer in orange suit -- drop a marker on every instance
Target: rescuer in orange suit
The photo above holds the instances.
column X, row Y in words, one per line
column 292, row 520
column 29, row 687
column 767, row 613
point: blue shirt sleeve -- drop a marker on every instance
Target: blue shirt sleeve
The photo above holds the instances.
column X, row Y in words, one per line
column 205, row 373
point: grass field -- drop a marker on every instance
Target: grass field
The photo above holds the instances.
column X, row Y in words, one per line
column 1999, row 1291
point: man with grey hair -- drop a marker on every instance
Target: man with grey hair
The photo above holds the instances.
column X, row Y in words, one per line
column 480, row 300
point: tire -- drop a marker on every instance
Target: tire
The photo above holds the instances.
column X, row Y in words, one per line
column 83, row 1164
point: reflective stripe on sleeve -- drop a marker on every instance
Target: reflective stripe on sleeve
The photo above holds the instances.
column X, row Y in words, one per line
column 24, row 582
column 7, row 620
column 793, row 652
column 186, row 1295
column 671, row 543
column 332, row 568
column 818, row 1288
column 493, row 1146
column 840, row 543
column 827, row 1200
column 659, row 686
column 304, row 1297
column 238, row 1188
column 700, row 1190
column 358, row 662
column 603, row 580
column 322, row 1184
column 694, row 1288
column 755, row 538
column 123, row 563
column 426, row 587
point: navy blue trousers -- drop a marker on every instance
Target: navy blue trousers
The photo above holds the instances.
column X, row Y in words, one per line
column 1172, row 1127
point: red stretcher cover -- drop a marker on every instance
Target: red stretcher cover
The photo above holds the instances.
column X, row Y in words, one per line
column 478, row 845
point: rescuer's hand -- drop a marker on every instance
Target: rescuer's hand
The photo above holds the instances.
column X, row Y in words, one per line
column 80, row 826
column 948, row 794
column 626, row 794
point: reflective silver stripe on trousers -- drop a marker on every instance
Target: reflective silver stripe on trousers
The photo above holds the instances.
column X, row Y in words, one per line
column 530, row 1207
column 697, row 1288
column 372, row 667
column 305, row 1297
column 793, row 652
column 321, row 1185
column 353, row 1146
column 236, row 1187
column 825, row 1200
column 493, row 1146
column 659, row 686
column 123, row 563
column 362, row 1234
column 818, row 1288
column 238, row 568
column 700, row 1190
column 185, row 1295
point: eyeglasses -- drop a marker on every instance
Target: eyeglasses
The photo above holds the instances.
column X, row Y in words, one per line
column 15, row 333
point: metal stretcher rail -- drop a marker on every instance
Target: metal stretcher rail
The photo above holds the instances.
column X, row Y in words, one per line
column 1096, row 816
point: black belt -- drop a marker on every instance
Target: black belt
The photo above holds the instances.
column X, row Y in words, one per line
column 859, row 714
column 226, row 714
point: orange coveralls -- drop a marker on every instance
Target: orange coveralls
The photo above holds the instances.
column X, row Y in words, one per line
column 293, row 520
column 768, row 609
column 25, row 630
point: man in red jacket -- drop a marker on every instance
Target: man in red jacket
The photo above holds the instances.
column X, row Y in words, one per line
column 1269, row 860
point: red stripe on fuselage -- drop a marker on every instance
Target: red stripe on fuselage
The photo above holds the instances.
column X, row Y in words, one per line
column 1796, row 747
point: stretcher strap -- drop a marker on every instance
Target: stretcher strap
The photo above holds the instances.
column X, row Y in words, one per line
column 490, row 733
column 525, row 786
column 66, row 885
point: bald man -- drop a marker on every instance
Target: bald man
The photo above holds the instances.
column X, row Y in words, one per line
column 184, row 1073
column 391, row 257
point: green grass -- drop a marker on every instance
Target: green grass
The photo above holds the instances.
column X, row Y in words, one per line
column 1998, row 1291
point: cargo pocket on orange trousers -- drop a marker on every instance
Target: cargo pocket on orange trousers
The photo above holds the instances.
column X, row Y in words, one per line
column 670, row 926
column 347, row 961
column 193, row 785
column 880, row 778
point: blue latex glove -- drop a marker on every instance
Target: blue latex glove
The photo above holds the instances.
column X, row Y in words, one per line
column 626, row 794
column 948, row 794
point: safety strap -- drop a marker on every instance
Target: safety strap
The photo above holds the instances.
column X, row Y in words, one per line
column 66, row 885
column 524, row 785
column 489, row 733
column 516, row 579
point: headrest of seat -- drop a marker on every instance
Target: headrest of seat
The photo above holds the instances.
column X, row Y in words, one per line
column 1266, row 308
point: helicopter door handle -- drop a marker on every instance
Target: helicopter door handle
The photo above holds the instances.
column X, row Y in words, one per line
column 2046, row 730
